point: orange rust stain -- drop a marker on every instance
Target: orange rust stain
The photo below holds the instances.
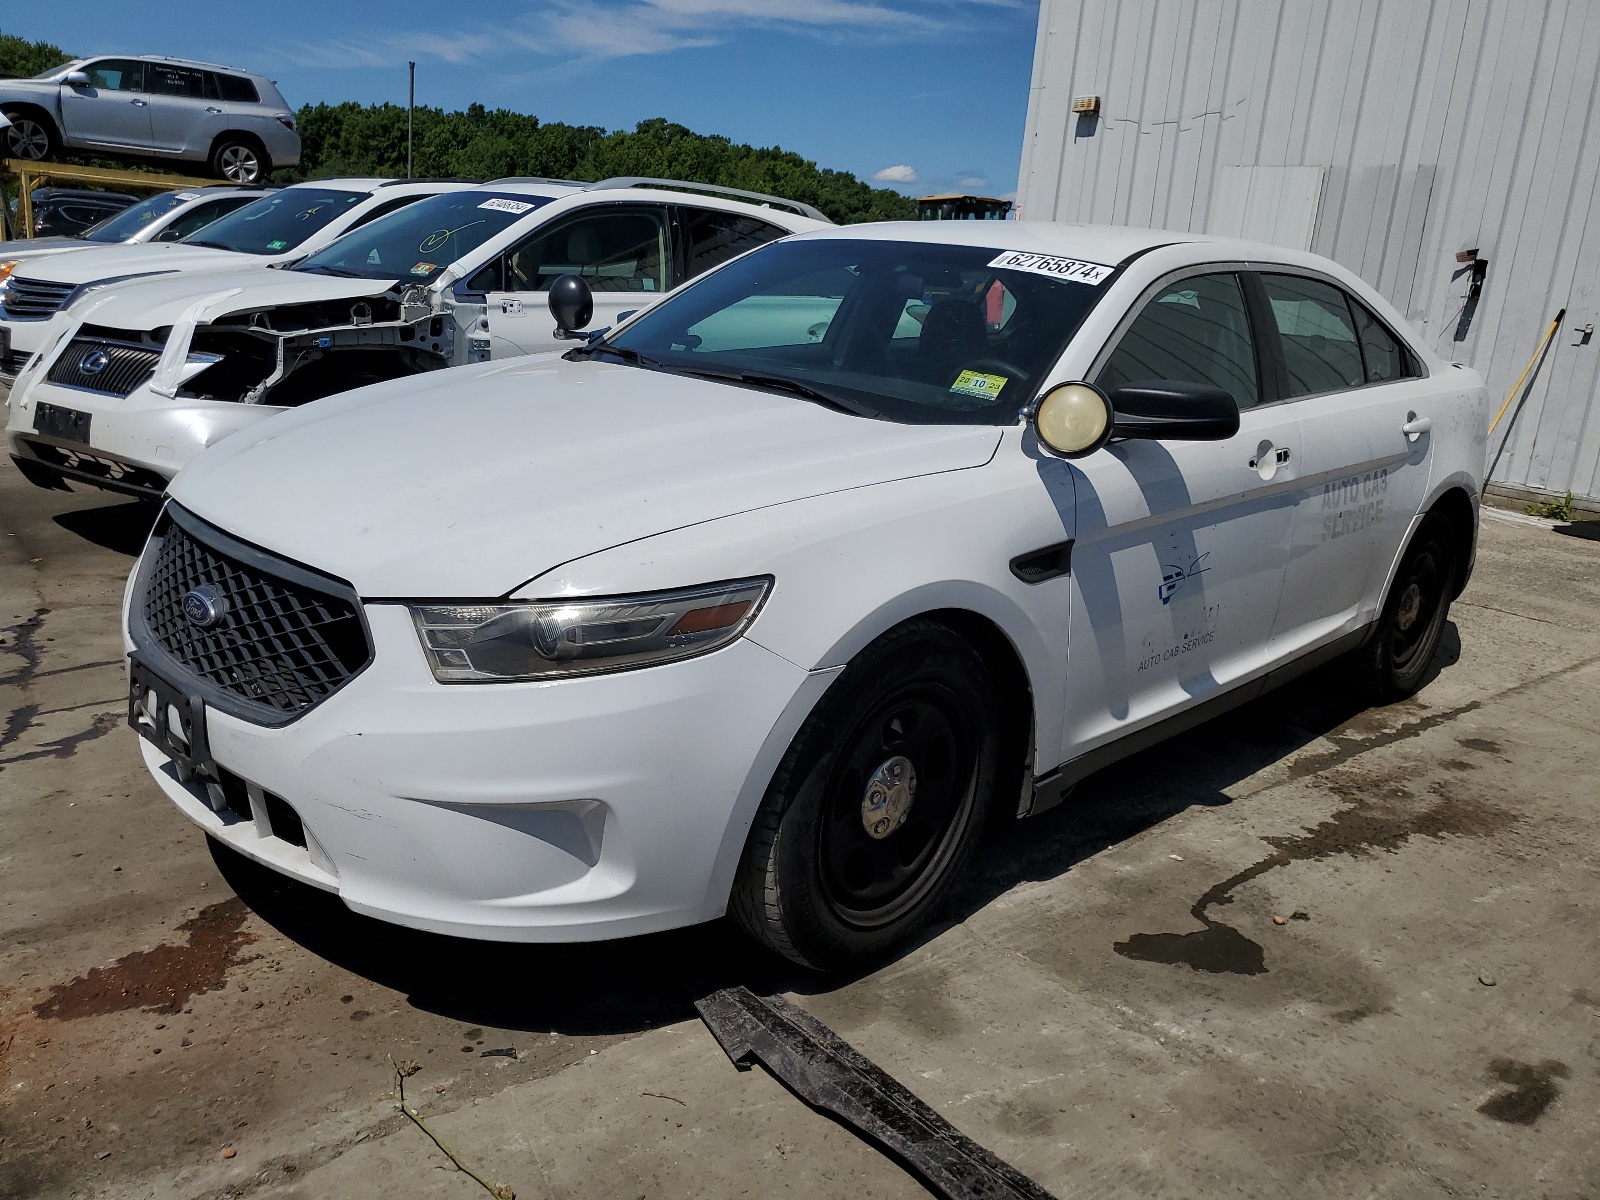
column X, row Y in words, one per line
column 161, row 980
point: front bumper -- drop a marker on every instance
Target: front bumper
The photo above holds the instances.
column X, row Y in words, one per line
column 137, row 442
column 582, row 809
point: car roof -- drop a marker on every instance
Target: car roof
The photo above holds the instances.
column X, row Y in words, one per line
column 392, row 186
column 1109, row 244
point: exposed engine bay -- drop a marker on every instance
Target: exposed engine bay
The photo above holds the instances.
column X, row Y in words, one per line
column 296, row 353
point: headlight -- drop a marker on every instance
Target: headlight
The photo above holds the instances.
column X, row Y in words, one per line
column 7, row 265
column 553, row 639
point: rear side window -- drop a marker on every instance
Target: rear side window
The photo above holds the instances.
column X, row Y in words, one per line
column 163, row 80
column 1318, row 334
column 1193, row 331
column 1384, row 357
column 715, row 237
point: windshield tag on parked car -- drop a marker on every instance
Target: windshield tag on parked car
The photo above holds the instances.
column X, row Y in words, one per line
column 974, row 383
column 188, row 196
column 1057, row 268
column 422, row 268
column 511, row 206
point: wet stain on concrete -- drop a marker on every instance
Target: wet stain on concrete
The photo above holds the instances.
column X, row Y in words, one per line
column 1532, row 1089
column 162, row 980
column 1370, row 823
column 17, row 724
column 1350, row 1016
column 21, row 640
column 1482, row 745
column 1361, row 735
column 66, row 747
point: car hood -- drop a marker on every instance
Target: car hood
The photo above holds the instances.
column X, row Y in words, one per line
column 24, row 248
column 93, row 263
column 174, row 299
column 469, row 482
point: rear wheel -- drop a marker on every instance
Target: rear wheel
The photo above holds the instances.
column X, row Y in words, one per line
column 877, row 806
column 238, row 159
column 30, row 137
column 1394, row 664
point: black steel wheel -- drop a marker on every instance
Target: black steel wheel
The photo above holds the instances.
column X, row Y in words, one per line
column 239, row 160
column 29, row 137
column 878, row 804
column 1394, row 663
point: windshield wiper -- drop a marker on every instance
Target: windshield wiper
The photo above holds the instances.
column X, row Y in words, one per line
column 584, row 353
column 782, row 383
column 212, row 245
column 341, row 272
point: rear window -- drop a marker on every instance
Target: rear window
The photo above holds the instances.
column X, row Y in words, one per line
column 278, row 223
column 230, row 87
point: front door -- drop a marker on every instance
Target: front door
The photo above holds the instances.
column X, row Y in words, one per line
column 111, row 109
column 1364, row 416
column 1180, row 550
column 620, row 251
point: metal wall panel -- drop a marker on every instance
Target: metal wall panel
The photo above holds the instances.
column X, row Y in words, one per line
column 1439, row 126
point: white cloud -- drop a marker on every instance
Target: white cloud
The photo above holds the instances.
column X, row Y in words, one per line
column 972, row 181
column 900, row 173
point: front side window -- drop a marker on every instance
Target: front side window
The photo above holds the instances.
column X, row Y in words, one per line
column 1320, row 350
column 117, row 75
column 424, row 238
column 615, row 249
column 198, row 217
column 904, row 331
column 1194, row 331
column 123, row 225
column 715, row 237
column 277, row 223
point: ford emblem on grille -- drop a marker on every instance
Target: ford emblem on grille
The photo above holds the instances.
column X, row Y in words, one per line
column 94, row 362
column 204, row 606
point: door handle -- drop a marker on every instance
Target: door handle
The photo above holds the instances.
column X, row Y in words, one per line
column 139, row 103
column 211, row 109
column 1268, row 459
column 1416, row 426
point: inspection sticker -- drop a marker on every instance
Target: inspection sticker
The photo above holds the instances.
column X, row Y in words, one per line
column 277, row 244
column 188, row 196
column 973, row 383
column 422, row 268
column 511, row 206
column 1057, row 268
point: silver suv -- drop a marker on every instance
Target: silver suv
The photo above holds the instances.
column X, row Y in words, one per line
column 235, row 123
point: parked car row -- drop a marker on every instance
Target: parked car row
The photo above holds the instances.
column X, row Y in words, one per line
column 828, row 545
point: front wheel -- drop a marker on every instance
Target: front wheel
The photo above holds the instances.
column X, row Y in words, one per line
column 238, row 160
column 29, row 137
column 877, row 806
column 1394, row 663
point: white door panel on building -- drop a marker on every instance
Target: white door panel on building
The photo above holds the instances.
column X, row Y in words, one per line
column 1181, row 546
column 1363, row 474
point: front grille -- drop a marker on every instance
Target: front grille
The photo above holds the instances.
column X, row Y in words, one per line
column 36, row 297
column 107, row 367
column 280, row 645
column 14, row 363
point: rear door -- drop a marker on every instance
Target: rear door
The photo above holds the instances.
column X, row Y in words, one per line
column 111, row 109
column 1178, row 561
column 182, row 118
column 708, row 238
column 1357, row 391
column 622, row 251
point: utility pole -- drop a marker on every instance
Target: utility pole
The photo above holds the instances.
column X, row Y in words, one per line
column 411, row 104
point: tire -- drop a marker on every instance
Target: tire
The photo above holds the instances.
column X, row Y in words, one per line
column 912, row 722
column 1394, row 662
column 239, row 159
column 30, row 137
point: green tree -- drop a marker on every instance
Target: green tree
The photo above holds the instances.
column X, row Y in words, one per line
column 23, row 58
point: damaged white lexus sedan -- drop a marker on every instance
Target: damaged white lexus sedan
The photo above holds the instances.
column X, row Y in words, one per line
column 764, row 601
column 143, row 376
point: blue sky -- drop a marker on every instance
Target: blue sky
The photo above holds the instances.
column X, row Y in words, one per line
column 925, row 96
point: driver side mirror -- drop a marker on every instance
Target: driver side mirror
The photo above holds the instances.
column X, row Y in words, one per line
column 78, row 78
column 1076, row 419
column 572, row 305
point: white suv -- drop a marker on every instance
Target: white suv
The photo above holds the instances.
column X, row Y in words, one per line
column 456, row 279
column 766, row 600
column 278, row 228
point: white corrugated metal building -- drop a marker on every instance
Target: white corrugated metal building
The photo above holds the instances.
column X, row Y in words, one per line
column 1391, row 135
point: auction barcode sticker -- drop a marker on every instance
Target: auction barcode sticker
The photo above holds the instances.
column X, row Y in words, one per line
column 511, row 206
column 1057, row 268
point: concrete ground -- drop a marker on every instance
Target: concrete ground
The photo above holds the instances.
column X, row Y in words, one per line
column 1109, row 1005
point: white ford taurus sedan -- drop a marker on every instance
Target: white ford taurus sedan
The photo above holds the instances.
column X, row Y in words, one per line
column 763, row 601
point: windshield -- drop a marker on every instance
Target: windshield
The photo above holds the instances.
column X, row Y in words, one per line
column 277, row 223
column 123, row 225
column 907, row 331
column 424, row 238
